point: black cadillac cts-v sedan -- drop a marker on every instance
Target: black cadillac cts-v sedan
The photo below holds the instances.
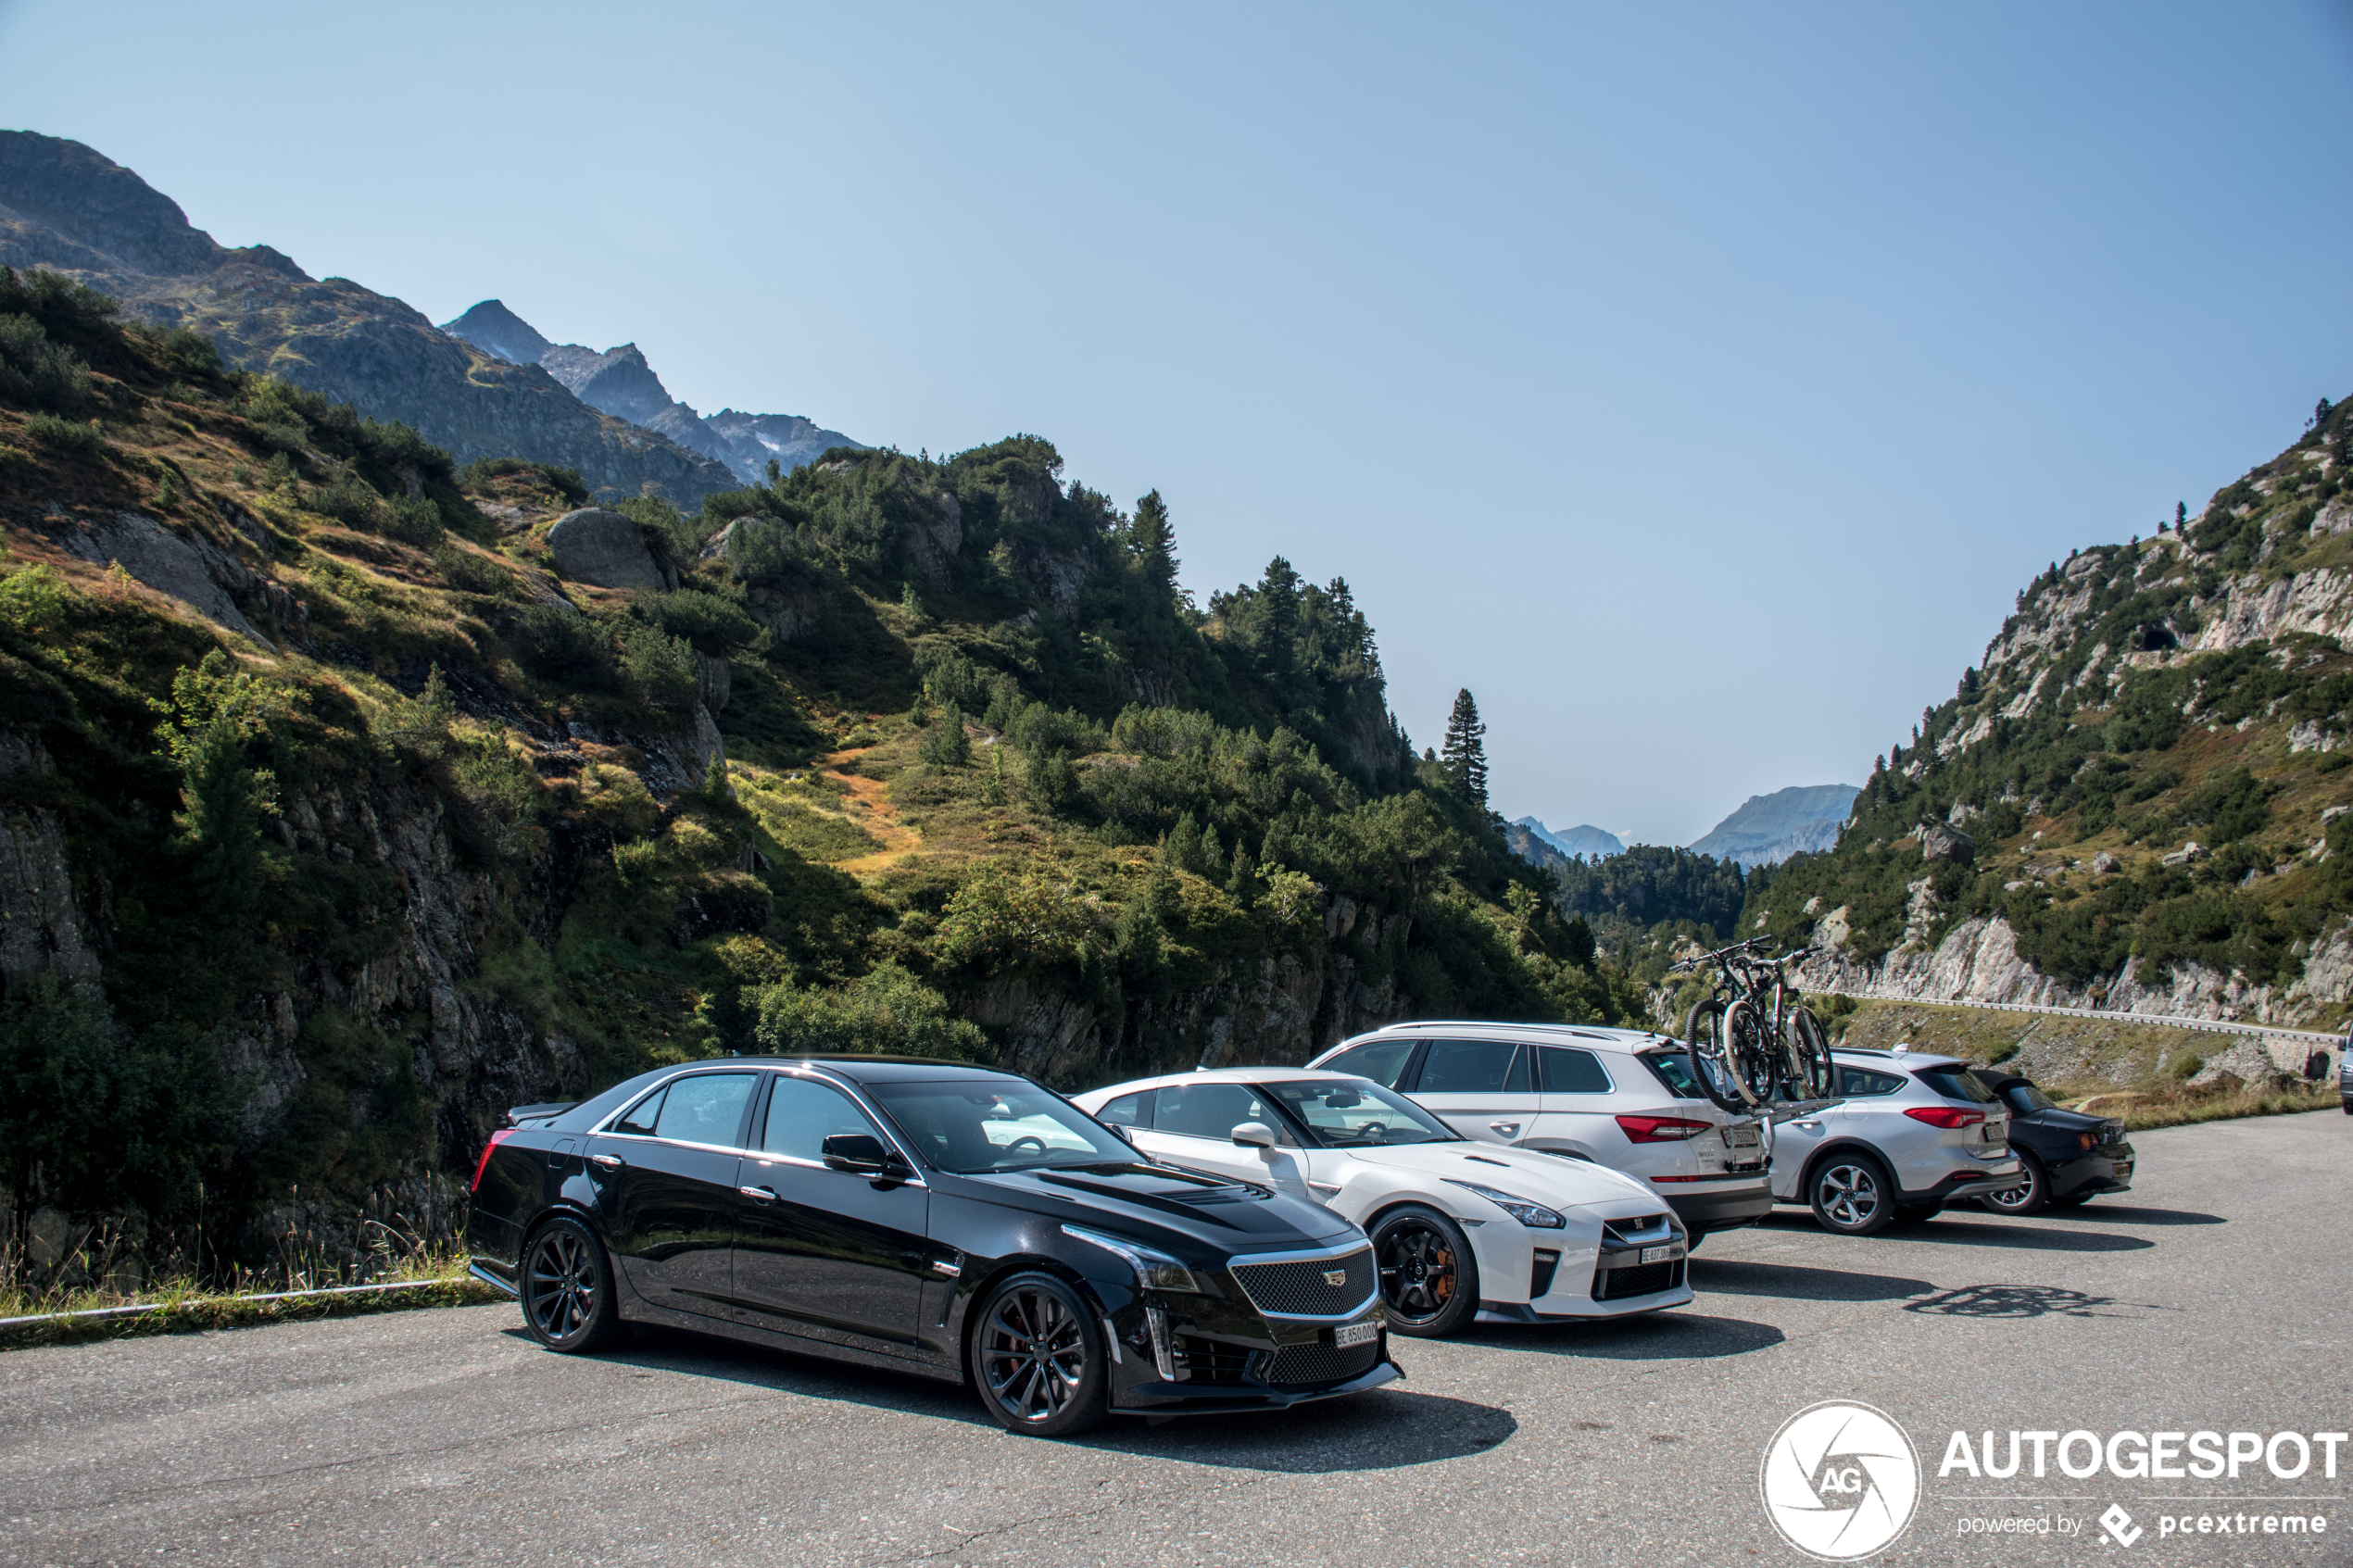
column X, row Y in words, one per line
column 927, row 1217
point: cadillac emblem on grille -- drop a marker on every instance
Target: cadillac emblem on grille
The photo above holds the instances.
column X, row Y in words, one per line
column 1335, row 1277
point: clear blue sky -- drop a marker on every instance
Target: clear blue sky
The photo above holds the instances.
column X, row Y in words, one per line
column 1697, row 386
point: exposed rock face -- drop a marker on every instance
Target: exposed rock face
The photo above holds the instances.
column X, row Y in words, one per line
column 1942, row 842
column 1978, row 961
column 196, row 571
column 602, row 549
column 1279, row 1010
column 65, row 207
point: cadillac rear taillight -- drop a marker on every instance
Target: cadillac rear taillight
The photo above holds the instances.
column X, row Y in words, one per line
column 1943, row 1116
column 1662, row 1129
column 501, row 1135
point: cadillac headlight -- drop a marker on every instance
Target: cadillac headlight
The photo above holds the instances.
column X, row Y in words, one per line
column 1154, row 1270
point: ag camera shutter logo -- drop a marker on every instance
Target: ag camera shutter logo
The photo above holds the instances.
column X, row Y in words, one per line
column 1840, row 1480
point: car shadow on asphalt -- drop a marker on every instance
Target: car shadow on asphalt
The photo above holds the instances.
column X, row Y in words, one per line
column 1951, row 1231
column 1672, row 1335
column 652, row 1351
column 1379, row 1430
column 1735, row 1276
column 1952, row 1228
column 1385, row 1429
column 2118, row 1213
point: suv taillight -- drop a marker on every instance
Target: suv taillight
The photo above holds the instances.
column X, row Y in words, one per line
column 501, row 1135
column 1944, row 1115
column 1662, row 1129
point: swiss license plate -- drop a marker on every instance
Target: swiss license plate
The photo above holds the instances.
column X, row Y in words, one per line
column 1740, row 1138
column 1355, row 1333
column 1659, row 1254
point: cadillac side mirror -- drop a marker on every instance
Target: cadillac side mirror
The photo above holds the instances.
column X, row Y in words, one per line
column 861, row 1154
column 1254, row 1135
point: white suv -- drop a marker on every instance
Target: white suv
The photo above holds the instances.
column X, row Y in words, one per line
column 1620, row 1097
column 1907, row 1134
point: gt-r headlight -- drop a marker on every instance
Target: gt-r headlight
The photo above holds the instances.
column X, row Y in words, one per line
column 1533, row 1215
column 1154, row 1270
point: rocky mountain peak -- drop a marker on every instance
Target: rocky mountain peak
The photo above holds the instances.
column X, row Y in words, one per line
column 621, row 382
column 494, row 329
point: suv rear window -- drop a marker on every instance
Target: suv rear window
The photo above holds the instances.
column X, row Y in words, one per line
column 1855, row 1081
column 1674, row 1070
column 1955, row 1083
column 1568, row 1071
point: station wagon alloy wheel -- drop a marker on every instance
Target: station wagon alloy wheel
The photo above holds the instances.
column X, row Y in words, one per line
column 1035, row 1350
column 1850, row 1195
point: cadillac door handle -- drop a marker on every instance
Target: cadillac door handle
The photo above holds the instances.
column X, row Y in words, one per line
column 1509, row 1129
column 609, row 1161
column 759, row 1195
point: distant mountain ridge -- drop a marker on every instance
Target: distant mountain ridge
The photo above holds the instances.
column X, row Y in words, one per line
column 1768, row 829
column 619, row 383
column 1582, row 842
column 65, row 207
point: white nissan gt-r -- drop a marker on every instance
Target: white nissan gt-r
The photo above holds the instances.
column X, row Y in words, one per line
column 1461, row 1230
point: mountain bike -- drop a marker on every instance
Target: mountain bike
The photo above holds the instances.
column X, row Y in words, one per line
column 1750, row 1041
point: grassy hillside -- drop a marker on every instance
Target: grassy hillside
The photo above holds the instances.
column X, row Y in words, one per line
column 337, row 820
column 2147, row 777
column 2152, row 1074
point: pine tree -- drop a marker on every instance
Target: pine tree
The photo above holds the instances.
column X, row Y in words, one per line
column 1465, row 753
column 1153, row 540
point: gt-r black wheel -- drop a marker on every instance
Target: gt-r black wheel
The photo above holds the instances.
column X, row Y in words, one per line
column 2032, row 1193
column 1851, row 1195
column 567, row 1289
column 1428, row 1275
column 1038, row 1358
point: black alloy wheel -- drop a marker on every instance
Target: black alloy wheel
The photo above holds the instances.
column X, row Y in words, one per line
column 2032, row 1192
column 567, row 1289
column 1851, row 1195
column 1428, row 1275
column 1040, row 1358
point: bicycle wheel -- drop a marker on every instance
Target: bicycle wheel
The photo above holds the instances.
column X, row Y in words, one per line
column 1749, row 1052
column 1703, row 1031
column 1809, row 1053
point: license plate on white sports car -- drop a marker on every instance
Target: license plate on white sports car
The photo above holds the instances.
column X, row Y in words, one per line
column 1659, row 1254
column 1355, row 1333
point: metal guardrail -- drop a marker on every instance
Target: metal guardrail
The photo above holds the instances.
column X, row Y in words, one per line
column 2212, row 1025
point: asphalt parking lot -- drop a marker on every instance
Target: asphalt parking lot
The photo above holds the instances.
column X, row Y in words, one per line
column 2213, row 1296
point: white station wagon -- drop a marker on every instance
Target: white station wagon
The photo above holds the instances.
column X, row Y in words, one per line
column 1621, row 1098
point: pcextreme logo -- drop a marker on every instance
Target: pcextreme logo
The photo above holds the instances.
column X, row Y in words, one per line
column 1840, row 1480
